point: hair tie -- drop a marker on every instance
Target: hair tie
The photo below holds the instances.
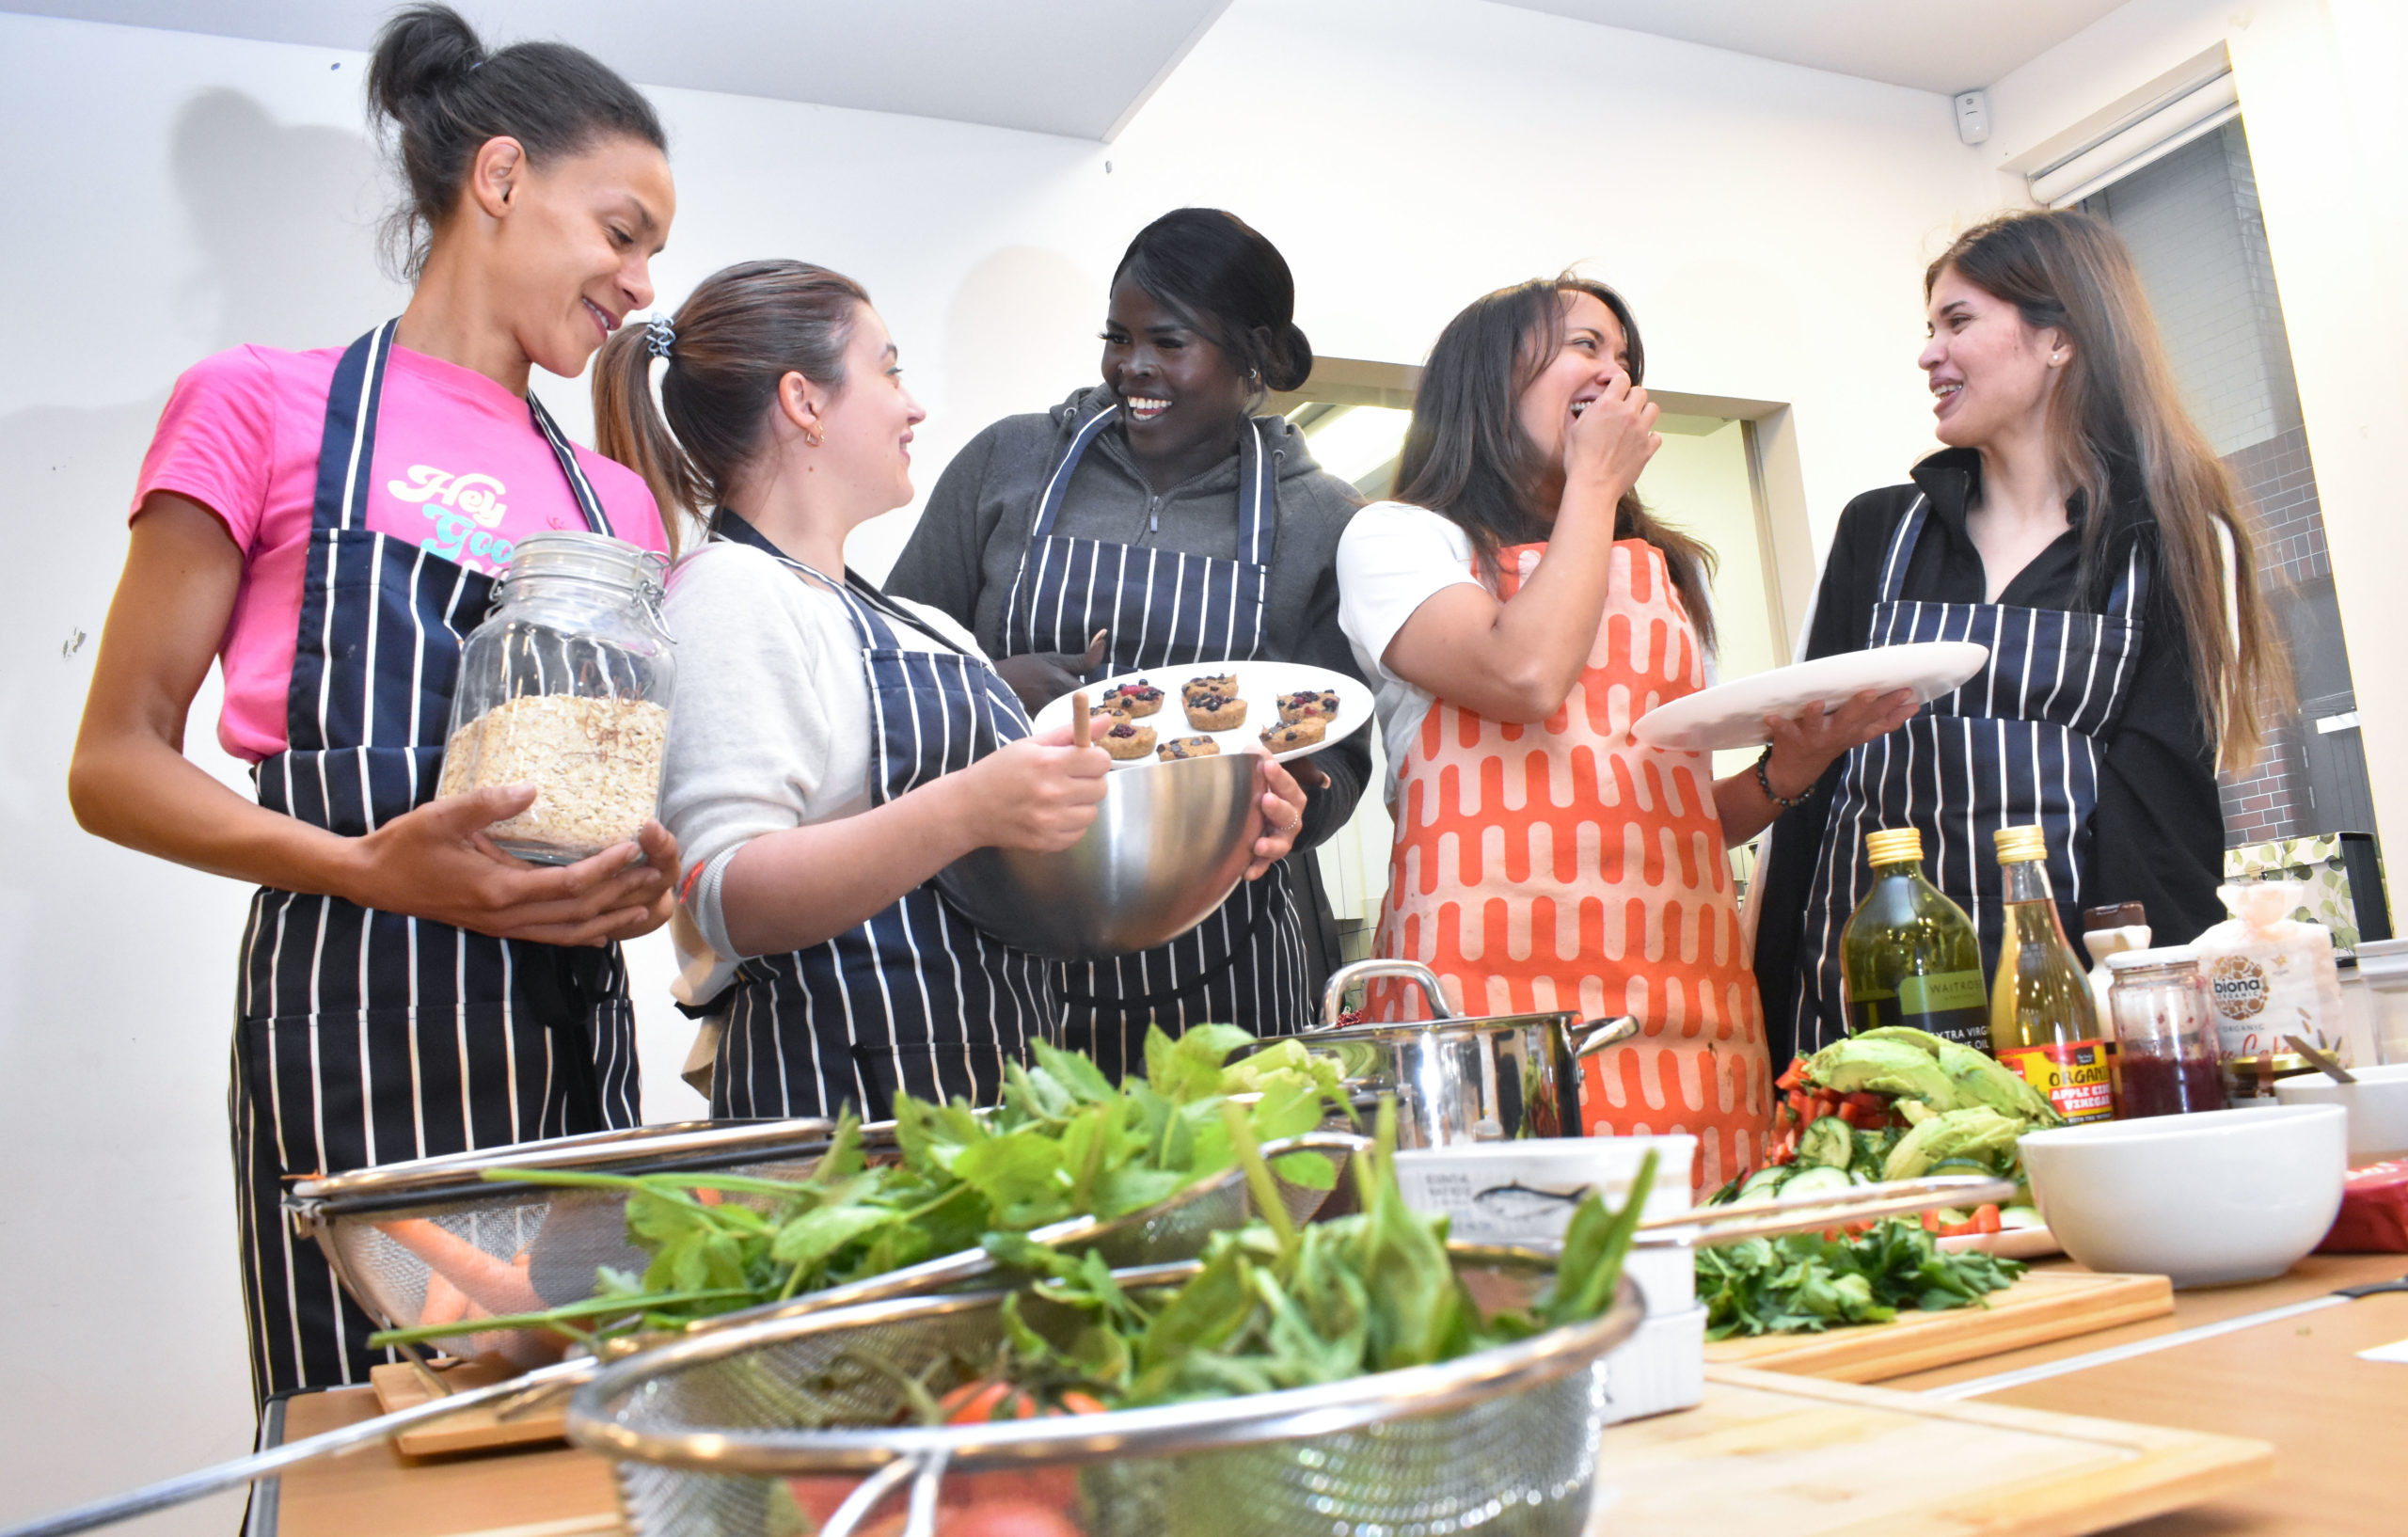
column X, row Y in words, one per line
column 659, row 335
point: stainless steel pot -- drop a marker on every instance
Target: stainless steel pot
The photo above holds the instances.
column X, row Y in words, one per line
column 1497, row 1077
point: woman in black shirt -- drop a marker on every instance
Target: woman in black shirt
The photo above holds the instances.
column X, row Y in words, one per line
column 2080, row 526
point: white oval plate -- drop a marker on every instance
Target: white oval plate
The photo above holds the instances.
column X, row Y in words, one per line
column 1733, row 714
column 1260, row 684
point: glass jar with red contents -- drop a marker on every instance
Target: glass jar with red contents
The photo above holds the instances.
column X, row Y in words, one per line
column 2165, row 1041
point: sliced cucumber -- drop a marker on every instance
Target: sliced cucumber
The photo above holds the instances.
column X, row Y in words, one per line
column 1821, row 1179
column 1961, row 1165
column 1872, row 1151
column 1830, row 1142
column 2020, row 1216
column 1764, row 1183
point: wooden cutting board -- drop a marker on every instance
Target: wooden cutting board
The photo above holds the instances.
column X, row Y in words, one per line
column 399, row 1385
column 2043, row 1305
column 1772, row 1453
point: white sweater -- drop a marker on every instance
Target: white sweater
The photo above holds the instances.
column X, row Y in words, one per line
column 770, row 730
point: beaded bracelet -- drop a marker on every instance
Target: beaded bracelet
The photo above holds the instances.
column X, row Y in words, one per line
column 1764, row 783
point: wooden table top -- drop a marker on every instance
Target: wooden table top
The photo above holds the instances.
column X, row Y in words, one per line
column 2296, row 1382
column 2334, row 1420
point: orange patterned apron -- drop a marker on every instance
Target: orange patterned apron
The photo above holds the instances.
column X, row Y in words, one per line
column 1564, row 865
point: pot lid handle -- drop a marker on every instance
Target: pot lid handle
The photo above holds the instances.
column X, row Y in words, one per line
column 1334, row 996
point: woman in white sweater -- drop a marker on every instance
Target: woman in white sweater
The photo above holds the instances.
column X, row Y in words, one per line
column 831, row 747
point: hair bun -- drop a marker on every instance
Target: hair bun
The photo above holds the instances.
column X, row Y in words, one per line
column 421, row 51
column 1291, row 360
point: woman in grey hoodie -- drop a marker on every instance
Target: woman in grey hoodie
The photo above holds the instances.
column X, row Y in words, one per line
column 1063, row 539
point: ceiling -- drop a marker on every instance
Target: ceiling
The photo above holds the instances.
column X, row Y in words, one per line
column 1936, row 45
column 1079, row 67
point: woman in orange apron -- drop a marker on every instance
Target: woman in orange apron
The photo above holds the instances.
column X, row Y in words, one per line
column 1517, row 609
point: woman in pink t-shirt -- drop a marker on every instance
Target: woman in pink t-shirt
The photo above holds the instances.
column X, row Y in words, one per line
column 329, row 526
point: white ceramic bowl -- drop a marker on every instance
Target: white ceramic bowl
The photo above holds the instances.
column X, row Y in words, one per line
column 2377, row 1104
column 2209, row 1200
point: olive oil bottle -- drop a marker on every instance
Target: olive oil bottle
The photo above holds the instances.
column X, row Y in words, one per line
column 2044, row 1023
column 1909, row 955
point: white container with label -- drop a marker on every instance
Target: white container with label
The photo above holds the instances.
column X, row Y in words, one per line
column 1524, row 1193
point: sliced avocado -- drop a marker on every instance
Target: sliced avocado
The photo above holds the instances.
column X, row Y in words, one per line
column 1955, row 1133
column 1978, row 1079
column 1863, row 1065
column 1922, row 1040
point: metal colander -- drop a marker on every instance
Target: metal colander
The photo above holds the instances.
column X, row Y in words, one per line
column 787, row 1427
column 426, row 1240
column 412, row 1242
column 567, row 1233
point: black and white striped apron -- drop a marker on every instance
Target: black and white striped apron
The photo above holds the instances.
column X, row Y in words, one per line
column 2018, row 743
column 1246, row 964
column 916, row 1000
column 363, row 1036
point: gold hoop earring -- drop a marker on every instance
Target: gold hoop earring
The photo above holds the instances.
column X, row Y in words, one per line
column 812, row 438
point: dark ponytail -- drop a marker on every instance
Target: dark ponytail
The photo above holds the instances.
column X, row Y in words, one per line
column 1467, row 458
column 742, row 330
column 430, row 77
column 1218, row 271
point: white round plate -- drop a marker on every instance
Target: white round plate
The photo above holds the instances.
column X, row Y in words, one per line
column 1733, row 714
column 2008, row 1244
column 1260, row 684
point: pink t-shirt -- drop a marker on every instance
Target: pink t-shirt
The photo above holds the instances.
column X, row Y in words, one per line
column 459, row 467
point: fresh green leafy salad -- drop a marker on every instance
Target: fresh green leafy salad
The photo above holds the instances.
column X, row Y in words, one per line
column 1063, row 1142
column 1808, row 1282
column 1276, row 1305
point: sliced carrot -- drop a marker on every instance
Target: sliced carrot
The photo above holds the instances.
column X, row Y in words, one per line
column 1083, row 1403
column 980, row 1407
column 1848, row 1113
column 1795, row 1076
column 1986, row 1219
column 1930, row 1223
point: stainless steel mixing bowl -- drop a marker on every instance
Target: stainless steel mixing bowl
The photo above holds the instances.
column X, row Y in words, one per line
column 1168, row 845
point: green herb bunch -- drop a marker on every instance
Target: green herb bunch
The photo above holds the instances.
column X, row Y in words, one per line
column 1276, row 1305
column 1065, row 1142
column 1808, row 1283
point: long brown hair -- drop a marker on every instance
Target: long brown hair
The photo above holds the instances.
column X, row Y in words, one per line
column 1467, row 458
column 2116, row 406
column 742, row 330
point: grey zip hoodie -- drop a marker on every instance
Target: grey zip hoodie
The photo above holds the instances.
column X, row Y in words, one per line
column 967, row 548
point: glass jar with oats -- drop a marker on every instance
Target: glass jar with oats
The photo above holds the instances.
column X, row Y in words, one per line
column 566, row 687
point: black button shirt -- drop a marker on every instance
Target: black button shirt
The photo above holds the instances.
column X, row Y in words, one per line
column 2157, row 831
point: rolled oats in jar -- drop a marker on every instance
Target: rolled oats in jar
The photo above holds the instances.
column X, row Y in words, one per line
column 566, row 686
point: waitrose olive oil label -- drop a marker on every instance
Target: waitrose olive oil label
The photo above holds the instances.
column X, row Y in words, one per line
column 1909, row 955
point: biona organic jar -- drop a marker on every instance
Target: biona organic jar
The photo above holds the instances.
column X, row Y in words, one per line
column 2269, row 975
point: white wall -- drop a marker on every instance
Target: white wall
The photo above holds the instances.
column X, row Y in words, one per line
column 171, row 195
column 2319, row 84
